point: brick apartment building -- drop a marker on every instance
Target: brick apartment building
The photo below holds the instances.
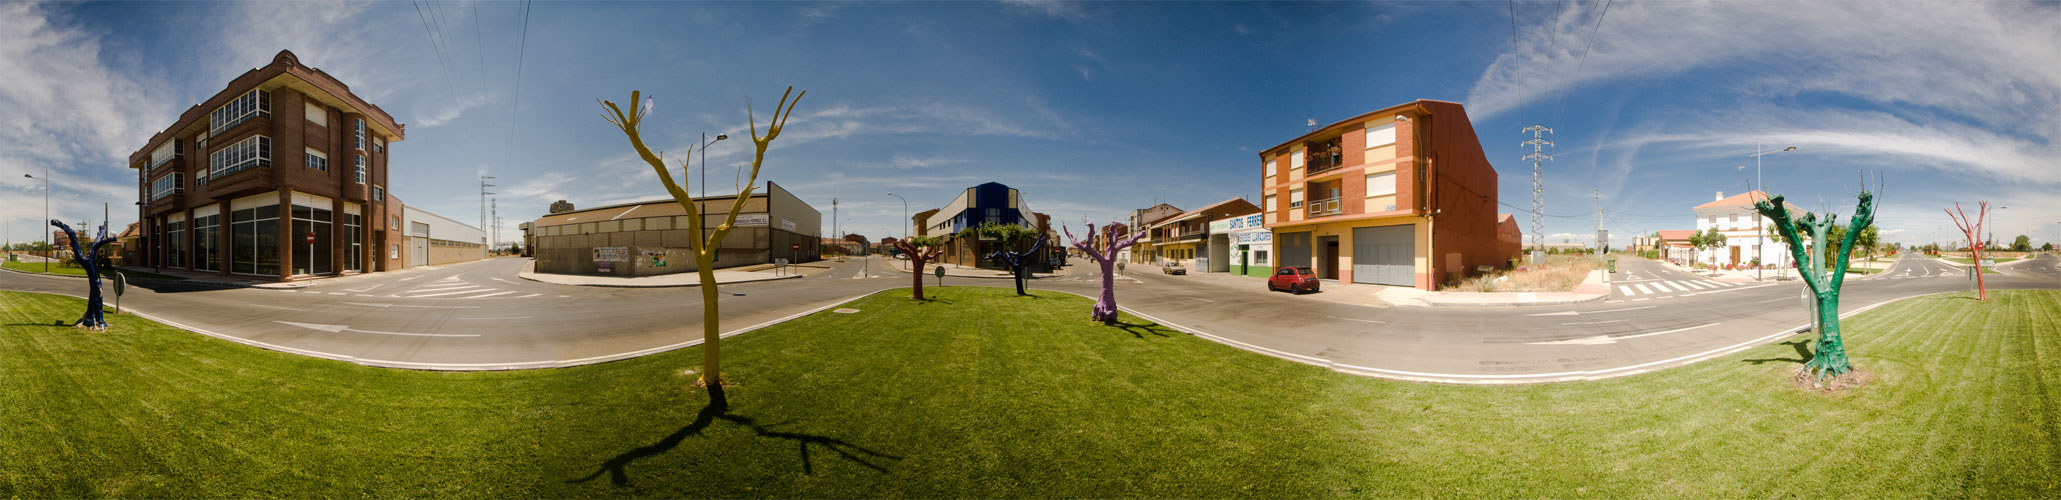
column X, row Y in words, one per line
column 282, row 174
column 1398, row 196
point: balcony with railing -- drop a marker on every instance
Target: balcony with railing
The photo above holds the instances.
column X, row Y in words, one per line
column 1323, row 207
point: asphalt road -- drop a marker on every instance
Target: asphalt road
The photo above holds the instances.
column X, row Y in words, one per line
column 480, row 316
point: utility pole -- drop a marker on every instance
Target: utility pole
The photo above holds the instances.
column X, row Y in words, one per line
column 1538, row 144
column 494, row 213
column 483, row 185
column 834, row 221
column 1602, row 238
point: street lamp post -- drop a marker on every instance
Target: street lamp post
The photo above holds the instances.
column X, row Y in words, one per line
column 1759, row 233
column 46, row 216
column 905, row 214
column 704, row 160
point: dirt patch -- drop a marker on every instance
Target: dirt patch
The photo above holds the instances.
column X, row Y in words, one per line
column 1804, row 379
column 1559, row 273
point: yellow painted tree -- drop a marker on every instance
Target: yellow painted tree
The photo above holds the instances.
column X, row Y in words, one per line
column 706, row 242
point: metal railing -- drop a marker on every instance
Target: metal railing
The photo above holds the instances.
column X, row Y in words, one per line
column 1320, row 163
column 1327, row 206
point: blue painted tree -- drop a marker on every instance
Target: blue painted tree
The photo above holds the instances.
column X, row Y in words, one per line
column 1103, row 247
column 1011, row 236
column 87, row 258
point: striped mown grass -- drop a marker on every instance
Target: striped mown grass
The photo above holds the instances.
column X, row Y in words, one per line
column 982, row 394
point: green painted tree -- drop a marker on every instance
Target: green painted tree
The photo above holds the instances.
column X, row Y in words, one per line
column 1830, row 358
column 705, row 241
column 2022, row 244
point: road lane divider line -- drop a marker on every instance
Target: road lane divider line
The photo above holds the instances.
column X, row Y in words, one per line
column 1663, row 332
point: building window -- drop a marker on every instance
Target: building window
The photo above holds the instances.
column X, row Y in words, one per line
column 1295, row 198
column 175, row 243
column 994, row 216
column 312, row 258
column 254, row 241
column 1381, row 184
column 361, row 169
column 207, row 243
column 1268, row 164
column 378, row 193
column 395, row 252
column 167, row 185
column 1734, row 221
column 315, row 160
column 1380, row 133
column 1269, row 203
column 1295, row 159
column 241, row 109
column 379, row 146
column 167, row 152
column 359, row 124
column 255, row 151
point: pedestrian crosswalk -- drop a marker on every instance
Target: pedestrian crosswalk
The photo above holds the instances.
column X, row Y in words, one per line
column 1670, row 287
column 454, row 288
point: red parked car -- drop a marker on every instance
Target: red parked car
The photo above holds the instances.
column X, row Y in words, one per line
column 1293, row 279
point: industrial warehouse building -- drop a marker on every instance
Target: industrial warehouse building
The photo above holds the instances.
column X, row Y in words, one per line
column 653, row 237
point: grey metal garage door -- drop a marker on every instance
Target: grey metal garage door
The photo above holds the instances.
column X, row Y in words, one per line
column 1384, row 255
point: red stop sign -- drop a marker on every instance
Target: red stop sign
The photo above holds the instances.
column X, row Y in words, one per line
column 797, row 247
column 311, row 237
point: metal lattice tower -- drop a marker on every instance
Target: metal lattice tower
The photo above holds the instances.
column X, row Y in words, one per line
column 1538, row 144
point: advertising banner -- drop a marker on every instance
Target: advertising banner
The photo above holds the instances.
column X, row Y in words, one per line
column 752, row 220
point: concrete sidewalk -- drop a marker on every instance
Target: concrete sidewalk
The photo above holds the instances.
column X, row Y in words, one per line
column 958, row 271
column 1590, row 290
column 741, row 274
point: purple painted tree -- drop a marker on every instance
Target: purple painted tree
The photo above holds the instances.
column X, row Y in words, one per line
column 86, row 258
column 920, row 250
column 1103, row 247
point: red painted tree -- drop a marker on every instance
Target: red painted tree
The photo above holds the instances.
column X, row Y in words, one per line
column 1974, row 232
column 920, row 250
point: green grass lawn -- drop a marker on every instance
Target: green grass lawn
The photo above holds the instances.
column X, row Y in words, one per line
column 55, row 268
column 981, row 394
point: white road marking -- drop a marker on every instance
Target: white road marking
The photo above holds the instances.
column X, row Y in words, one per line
column 443, row 294
column 1639, row 299
column 1596, row 340
column 1642, row 288
column 487, row 295
column 1598, row 322
column 530, row 295
column 1623, row 310
column 1561, row 313
column 1357, row 319
column 342, row 328
column 1772, row 300
column 362, row 290
column 440, row 288
column 406, row 305
column 337, row 293
column 409, row 278
column 1624, row 290
column 503, row 317
column 273, row 307
column 1678, row 286
column 502, row 280
column 1621, row 337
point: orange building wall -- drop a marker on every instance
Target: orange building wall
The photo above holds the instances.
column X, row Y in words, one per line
column 1463, row 195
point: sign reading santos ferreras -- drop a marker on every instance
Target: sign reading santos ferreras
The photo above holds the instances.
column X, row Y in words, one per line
column 611, row 254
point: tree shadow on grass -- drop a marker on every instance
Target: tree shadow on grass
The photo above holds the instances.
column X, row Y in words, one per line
column 1803, row 353
column 1139, row 330
column 718, row 409
column 932, row 300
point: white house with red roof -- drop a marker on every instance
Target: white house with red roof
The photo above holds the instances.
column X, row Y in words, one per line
column 1747, row 234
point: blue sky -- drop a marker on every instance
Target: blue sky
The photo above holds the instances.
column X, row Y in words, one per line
column 1090, row 109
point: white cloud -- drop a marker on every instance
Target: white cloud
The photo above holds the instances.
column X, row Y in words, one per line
column 1070, row 11
column 73, row 112
column 444, row 111
column 819, row 14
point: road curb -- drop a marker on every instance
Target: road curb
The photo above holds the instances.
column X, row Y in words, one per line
column 683, row 285
column 1560, row 302
column 142, row 280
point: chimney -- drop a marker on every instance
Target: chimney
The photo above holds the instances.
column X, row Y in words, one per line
column 1720, row 196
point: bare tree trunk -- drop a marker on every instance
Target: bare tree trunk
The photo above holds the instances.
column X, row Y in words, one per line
column 711, row 327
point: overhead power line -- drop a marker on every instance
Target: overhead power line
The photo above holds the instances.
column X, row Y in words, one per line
column 1562, row 115
column 435, row 47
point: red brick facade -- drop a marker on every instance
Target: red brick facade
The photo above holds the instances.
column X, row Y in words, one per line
column 291, row 87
